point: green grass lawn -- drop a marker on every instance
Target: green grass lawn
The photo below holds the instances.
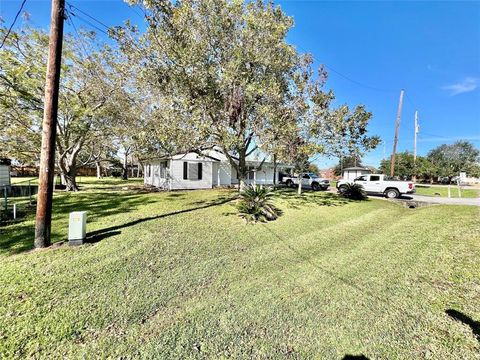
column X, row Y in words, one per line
column 24, row 180
column 179, row 275
column 466, row 192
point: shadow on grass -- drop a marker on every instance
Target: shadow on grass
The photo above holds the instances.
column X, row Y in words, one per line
column 111, row 231
column 467, row 320
column 18, row 237
column 354, row 357
column 309, row 197
column 99, row 237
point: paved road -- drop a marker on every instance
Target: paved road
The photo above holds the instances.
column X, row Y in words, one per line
column 428, row 199
column 434, row 200
column 443, row 200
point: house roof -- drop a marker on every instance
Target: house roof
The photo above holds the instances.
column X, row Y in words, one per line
column 216, row 155
column 356, row 168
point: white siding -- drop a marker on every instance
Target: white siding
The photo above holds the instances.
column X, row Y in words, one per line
column 4, row 175
column 178, row 182
column 263, row 177
column 225, row 173
column 353, row 174
column 155, row 174
column 215, row 167
column 233, row 177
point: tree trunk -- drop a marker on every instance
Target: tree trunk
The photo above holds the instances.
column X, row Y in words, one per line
column 274, row 171
column 70, row 181
column 68, row 171
column 125, row 166
column 99, row 169
column 242, row 169
column 300, row 184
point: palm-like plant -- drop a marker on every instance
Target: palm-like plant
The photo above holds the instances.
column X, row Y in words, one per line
column 255, row 204
column 354, row 191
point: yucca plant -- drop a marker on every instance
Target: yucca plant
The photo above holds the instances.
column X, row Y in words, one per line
column 354, row 191
column 255, row 204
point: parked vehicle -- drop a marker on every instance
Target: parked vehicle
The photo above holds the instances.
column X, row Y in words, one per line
column 380, row 184
column 308, row 180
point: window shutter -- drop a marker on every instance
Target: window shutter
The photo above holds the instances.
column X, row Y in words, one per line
column 185, row 170
column 200, row 171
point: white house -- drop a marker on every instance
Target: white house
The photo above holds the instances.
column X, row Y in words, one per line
column 209, row 169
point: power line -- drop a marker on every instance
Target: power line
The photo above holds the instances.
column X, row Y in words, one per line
column 13, row 23
column 70, row 20
column 347, row 77
column 357, row 82
column 88, row 23
column 88, row 15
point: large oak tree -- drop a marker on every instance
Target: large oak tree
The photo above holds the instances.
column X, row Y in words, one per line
column 224, row 74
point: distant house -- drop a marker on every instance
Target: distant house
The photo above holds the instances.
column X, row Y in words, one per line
column 4, row 172
column 328, row 174
column 352, row 173
column 205, row 170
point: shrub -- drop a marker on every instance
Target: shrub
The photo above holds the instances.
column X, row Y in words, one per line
column 354, row 192
column 255, row 204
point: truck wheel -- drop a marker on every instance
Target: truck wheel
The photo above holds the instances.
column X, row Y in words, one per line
column 392, row 193
column 289, row 183
column 315, row 186
column 342, row 189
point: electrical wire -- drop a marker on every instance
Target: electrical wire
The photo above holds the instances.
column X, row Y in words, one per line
column 71, row 6
column 13, row 23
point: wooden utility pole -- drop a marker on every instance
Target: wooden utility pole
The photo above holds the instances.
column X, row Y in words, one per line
column 415, row 139
column 415, row 146
column 395, row 140
column 49, row 128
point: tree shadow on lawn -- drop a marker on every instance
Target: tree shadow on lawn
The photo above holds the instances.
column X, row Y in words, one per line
column 19, row 237
column 111, row 231
column 309, row 197
column 99, row 205
column 355, row 357
column 467, row 320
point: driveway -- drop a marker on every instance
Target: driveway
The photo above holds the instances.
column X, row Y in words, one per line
column 427, row 199
column 433, row 199
column 443, row 200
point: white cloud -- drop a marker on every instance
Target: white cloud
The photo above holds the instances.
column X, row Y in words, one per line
column 468, row 84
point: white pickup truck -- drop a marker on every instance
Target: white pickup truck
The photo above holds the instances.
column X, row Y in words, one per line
column 308, row 179
column 380, row 184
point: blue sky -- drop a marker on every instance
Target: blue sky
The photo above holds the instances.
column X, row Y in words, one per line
column 429, row 48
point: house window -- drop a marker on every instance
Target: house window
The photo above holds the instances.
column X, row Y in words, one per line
column 192, row 171
column 250, row 172
column 163, row 169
